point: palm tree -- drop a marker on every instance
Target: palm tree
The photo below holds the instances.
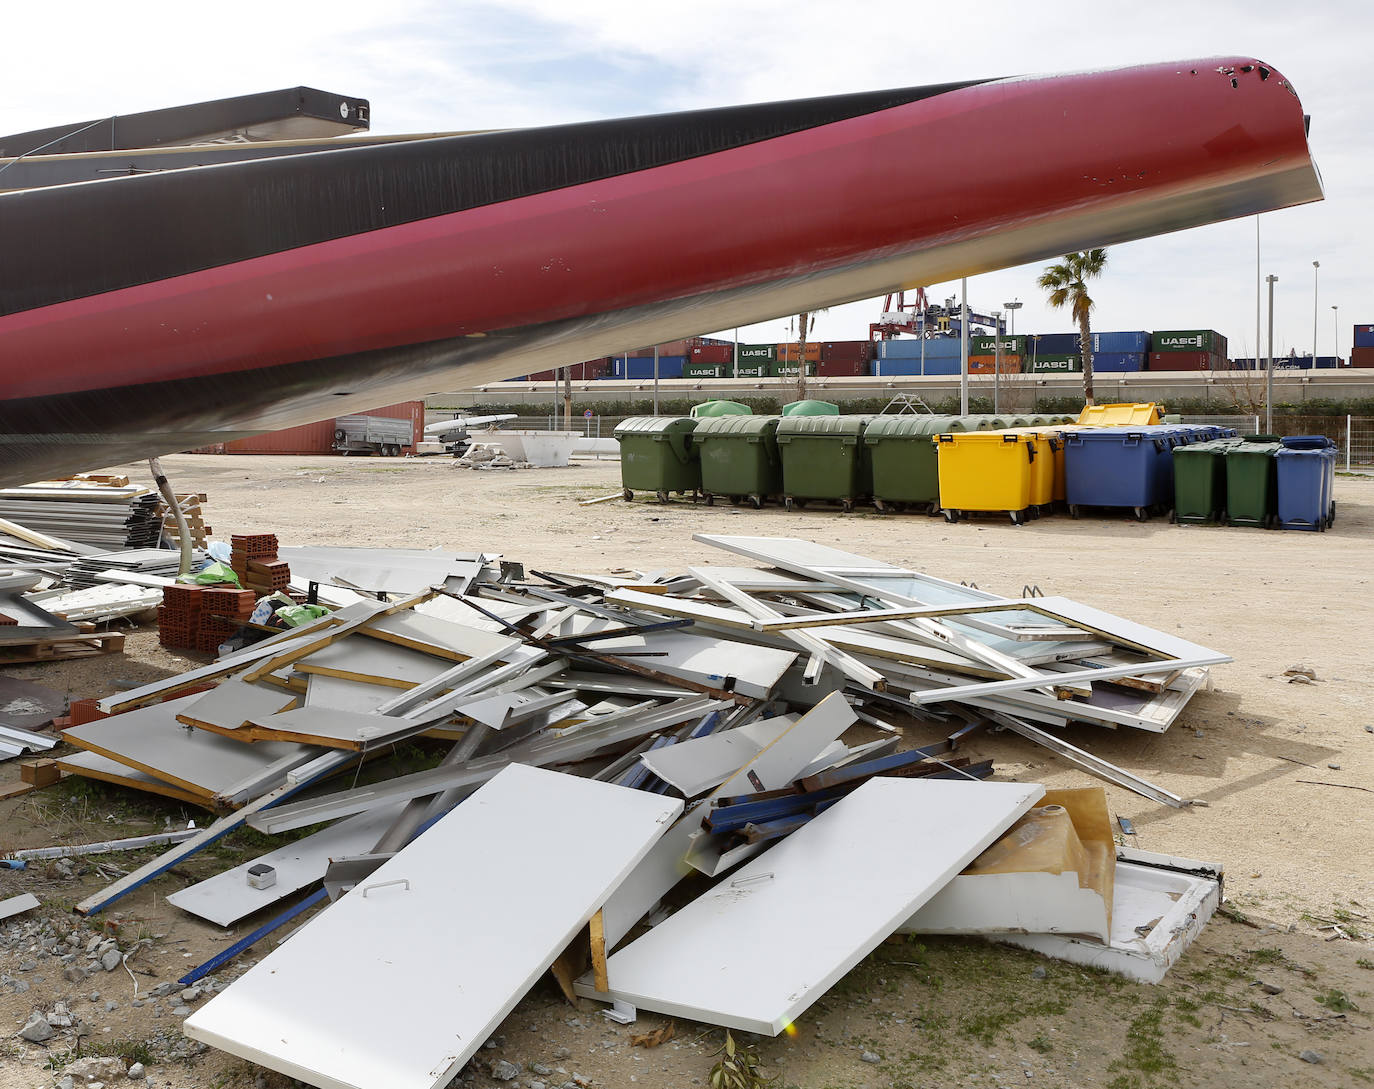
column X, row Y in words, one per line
column 1067, row 283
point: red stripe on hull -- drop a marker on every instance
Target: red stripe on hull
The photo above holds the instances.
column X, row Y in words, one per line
column 838, row 195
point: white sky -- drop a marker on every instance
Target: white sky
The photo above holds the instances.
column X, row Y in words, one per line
column 428, row 65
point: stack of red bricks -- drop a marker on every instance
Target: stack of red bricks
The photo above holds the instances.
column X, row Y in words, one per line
column 254, row 560
column 202, row 617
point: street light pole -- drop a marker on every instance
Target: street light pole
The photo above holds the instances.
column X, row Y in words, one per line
column 1315, row 265
column 1269, row 371
column 963, row 346
column 997, row 363
column 1013, row 307
column 1335, row 334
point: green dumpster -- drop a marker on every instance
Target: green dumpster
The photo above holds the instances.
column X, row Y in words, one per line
column 739, row 458
column 1200, row 481
column 902, row 456
column 810, row 408
column 707, row 409
column 657, row 455
column 1252, row 481
column 823, row 457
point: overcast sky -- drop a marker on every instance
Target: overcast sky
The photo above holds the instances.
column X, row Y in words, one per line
column 433, row 66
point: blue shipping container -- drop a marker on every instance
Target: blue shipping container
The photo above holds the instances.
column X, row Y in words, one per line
column 1052, row 344
column 1364, row 336
column 941, row 348
column 1133, row 342
column 1119, row 361
column 904, row 367
column 642, row 366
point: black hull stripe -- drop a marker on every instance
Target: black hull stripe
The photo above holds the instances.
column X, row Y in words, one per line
column 74, row 242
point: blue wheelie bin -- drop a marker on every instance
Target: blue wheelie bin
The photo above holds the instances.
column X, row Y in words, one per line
column 1130, row 467
column 1306, row 467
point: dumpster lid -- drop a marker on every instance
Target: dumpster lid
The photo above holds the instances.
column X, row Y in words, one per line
column 708, row 409
column 906, row 426
column 654, row 425
column 822, row 425
column 810, row 408
column 713, row 426
column 1109, row 415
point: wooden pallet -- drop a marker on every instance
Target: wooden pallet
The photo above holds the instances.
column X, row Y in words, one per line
column 195, row 523
column 86, row 645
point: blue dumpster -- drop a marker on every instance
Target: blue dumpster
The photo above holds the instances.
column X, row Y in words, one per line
column 1306, row 466
column 1130, row 467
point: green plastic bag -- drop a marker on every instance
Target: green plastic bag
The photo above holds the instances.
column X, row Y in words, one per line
column 296, row 615
column 216, row 572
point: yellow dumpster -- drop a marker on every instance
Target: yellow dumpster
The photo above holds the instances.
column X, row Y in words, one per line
column 1122, row 415
column 1047, row 470
column 987, row 471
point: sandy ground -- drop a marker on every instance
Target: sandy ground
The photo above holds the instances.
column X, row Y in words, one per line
column 1278, row 764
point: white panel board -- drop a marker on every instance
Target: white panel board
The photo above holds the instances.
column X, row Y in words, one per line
column 1033, row 903
column 462, row 950
column 227, row 897
column 696, row 766
column 1156, row 914
column 759, row 948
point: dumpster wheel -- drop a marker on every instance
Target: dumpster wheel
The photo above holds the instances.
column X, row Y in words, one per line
column 627, row 495
column 880, row 506
column 1331, row 517
column 1142, row 514
column 1073, row 510
column 662, row 496
column 951, row 516
column 756, row 501
column 847, row 505
column 1018, row 517
column 710, row 499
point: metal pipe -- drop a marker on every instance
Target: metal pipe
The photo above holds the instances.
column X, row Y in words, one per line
column 1269, row 372
column 997, row 363
column 655, row 379
column 178, row 515
column 1315, row 265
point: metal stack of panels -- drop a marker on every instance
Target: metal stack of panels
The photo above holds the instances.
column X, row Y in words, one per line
column 87, row 513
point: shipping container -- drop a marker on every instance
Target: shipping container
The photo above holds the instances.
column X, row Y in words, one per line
column 1364, row 336
column 935, row 348
column 840, row 368
column 758, row 353
column 1118, row 361
column 987, row 345
column 1136, row 342
column 987, row 364
column 542, row 376
column 693, row 369
column 641, row 366
column 908, row 367
column 793, row 352
column 1188, row 340
column 593, row 369
column 781, row 369
column 1362, row 357
column 1054, row 344
column 751, row 370
column 1186, row 361
column 846, row 351
column 318, row 438
column 713, row 353
column 1054, row 364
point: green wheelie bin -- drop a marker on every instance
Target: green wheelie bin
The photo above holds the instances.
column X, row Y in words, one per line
column 1200, row 481
column 902, row 455
column 739, row 458
column 1252, row 481
column 708, row 409
column 823, row 457
column 657, row 455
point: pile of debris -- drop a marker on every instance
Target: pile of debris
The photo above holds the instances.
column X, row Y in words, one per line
column 665, row 751
column 484, row 455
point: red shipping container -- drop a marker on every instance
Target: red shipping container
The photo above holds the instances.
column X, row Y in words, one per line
column 847, row 350
column 541, row 376
column 318, row 438
column 593, row 369
column 713, row 353
column 1185, row 361
column 842, row 368
column 1362, row 357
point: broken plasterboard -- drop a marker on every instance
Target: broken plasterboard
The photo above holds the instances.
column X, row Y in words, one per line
column 484, row 945
column 759, row 948
column 1051, row 873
